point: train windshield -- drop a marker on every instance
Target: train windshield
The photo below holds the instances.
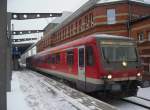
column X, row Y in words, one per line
column 119, row 52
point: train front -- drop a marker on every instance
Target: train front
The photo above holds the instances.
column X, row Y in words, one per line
column 121, row 65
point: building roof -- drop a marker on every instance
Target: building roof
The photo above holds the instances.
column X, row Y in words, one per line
column 57, row 21
column 88, row 5
column 65, row 14
column 107, row 1
column 77, row 13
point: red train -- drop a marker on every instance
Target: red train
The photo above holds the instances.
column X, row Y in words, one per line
column 97, row 62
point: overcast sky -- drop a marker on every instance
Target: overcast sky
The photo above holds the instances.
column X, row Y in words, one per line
column 41, row 6
column 48, row 6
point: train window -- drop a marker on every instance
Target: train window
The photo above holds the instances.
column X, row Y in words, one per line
column 57, row 58
column 70, row 57
column 89, row 56
column 81, row 57
column 49, row 59
column 53, row 59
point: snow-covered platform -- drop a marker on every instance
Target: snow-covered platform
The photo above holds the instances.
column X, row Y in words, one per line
column 33, row 91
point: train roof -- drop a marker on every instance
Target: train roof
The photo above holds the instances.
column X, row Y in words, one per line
column 106, row 36
column 85, row 40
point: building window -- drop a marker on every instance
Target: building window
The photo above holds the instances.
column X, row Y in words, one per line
column 141, row 36
column 76, row 29
column 71, row 29
column 65, row 33
column 80, row 25
column 68, row 31
column 111, row 16
column 86, row 21
column 91, row 19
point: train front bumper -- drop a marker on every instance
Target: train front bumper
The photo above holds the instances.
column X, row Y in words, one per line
column 120, row 84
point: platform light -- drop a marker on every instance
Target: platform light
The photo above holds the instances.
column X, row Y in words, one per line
column 25, row 16
column 15, row 16
column 14, row 32
column 38, row 15
column 109, row 76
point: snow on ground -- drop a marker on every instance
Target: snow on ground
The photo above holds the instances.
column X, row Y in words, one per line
column 144, row 92
column 139, row 101
column 15, row 98
column 122, row 105
column 32, row 91
column 32, row 95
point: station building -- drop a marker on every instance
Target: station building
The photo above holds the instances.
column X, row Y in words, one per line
column 120, row 17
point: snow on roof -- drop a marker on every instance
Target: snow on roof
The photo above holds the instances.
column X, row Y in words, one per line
column 107, row 1
column 65, row 14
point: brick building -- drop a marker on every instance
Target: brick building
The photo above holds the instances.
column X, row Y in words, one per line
column 121, row 17
column 141, row 31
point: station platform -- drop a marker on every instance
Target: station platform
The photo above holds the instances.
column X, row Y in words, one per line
column 33, row 91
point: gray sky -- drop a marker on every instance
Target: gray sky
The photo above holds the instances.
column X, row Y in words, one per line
column 41, row 6
column 44, row 5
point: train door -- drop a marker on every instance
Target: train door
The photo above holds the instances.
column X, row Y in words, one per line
column 81, row 68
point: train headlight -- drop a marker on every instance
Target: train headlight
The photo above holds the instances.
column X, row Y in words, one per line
column 139, row 74
column 109, row 76
column 124, row 63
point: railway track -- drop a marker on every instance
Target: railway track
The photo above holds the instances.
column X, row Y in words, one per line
column 140, row 101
